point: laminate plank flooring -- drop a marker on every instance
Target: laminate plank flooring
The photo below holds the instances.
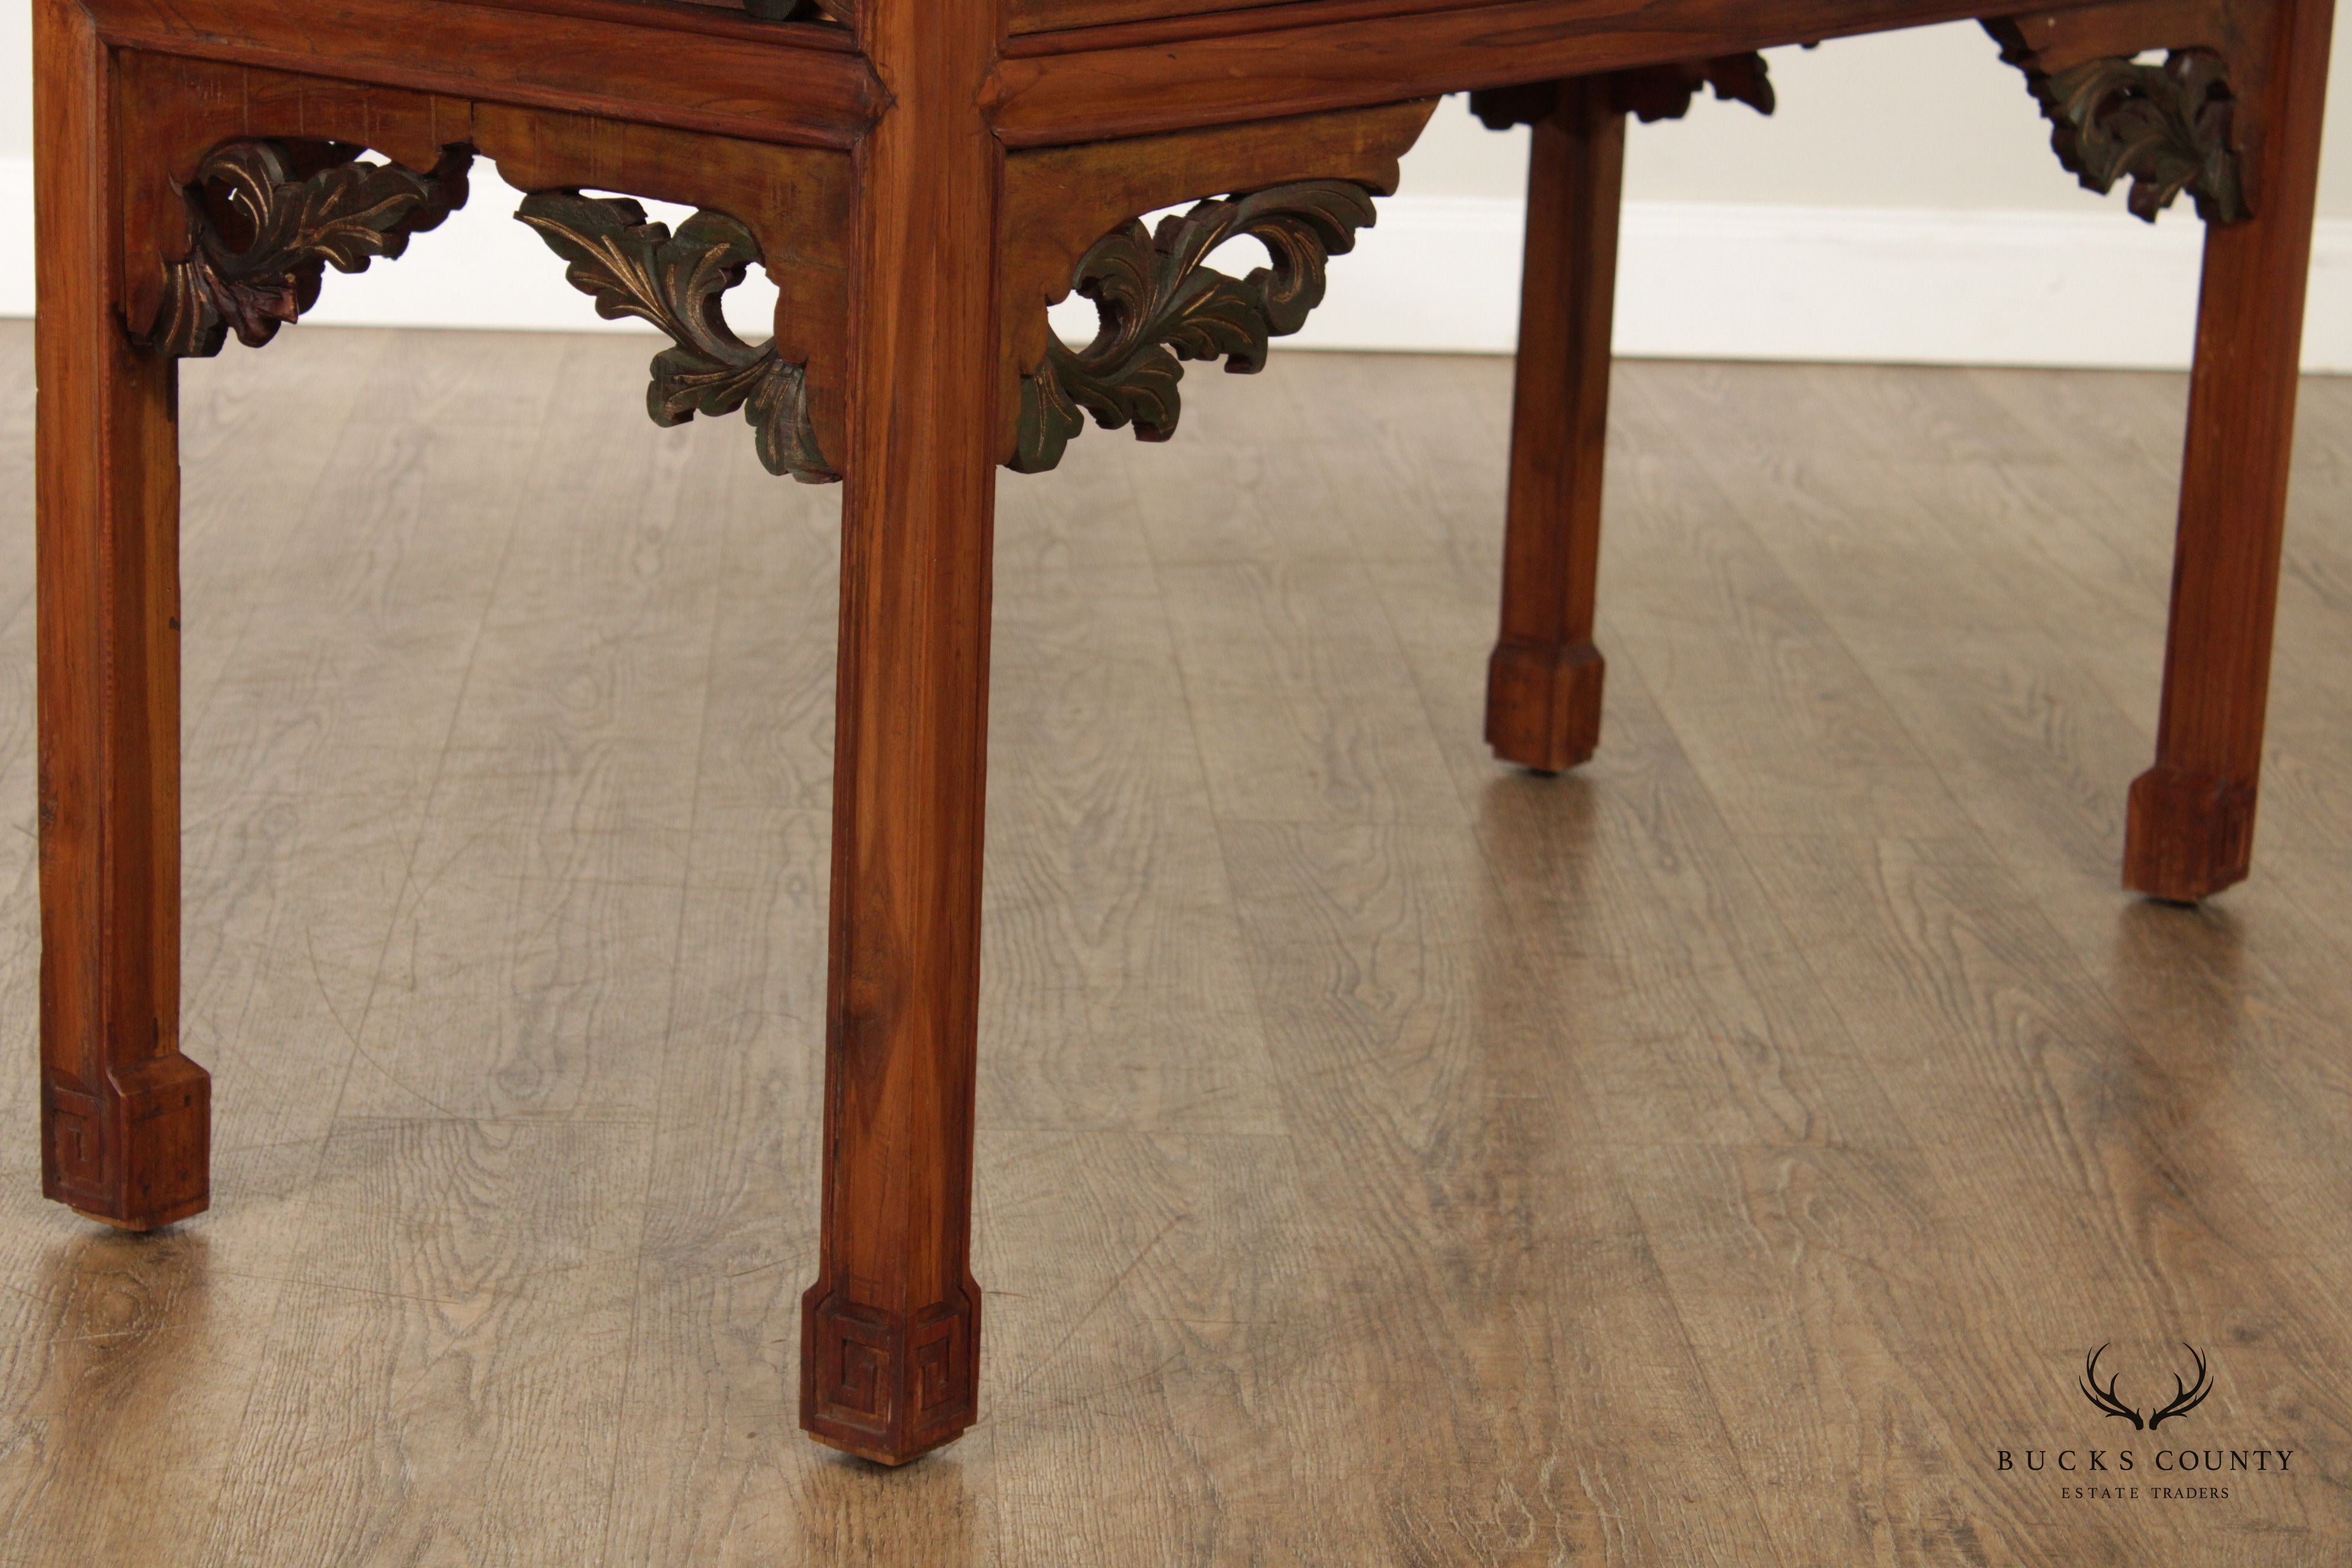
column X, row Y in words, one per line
column 1718, row 1155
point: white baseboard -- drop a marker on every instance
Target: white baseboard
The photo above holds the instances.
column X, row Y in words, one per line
column 2093, row 287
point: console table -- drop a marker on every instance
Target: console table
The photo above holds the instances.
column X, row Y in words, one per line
column 923, row 179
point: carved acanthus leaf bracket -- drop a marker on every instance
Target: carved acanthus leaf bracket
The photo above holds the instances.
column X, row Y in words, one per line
column 267, row 220
column 631, row 267
column 2167, row 126
column 1160, row 303
column 1650, row 93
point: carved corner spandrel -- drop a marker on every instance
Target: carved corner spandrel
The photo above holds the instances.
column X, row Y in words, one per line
column 255, row 180
column 1160, row 304
column 267, row 217
column 1074, row 211
column 2181, row 125
column 793, row 200
column 674, row 282
column 178, row 115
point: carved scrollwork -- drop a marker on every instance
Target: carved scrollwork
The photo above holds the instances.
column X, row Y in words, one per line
column 1160, row 303
column 634, row 268
column 1649, row 93
column 1665, row 93
column 2166, row 126
column 267, row 218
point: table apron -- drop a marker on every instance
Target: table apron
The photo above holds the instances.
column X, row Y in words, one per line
column 1048, row 92
column 648, row 75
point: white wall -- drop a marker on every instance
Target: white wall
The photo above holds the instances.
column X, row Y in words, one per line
column 1903, row 204
column 16, row 78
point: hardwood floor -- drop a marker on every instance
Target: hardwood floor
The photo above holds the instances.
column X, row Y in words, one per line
column 1719, row 1155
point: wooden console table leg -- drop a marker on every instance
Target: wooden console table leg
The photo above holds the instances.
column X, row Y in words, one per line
column 890, row 1330
column 125, row 1117
column 2191, row 821
column 1543, row 683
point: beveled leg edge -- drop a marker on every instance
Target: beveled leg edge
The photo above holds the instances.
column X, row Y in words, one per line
column 882, row 1385
column 2187, row 835
column 1543, row 704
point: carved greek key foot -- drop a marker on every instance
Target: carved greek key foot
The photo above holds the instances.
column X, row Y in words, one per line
column 134, row 1151
column 886, row 1388
column 2167, row 128
column 1161, row 302
column 631, row 267
column 270, row 216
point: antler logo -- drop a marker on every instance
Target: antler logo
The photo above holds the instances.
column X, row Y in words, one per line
column 2185, row 1397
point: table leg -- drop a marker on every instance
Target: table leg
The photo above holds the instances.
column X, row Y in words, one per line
column 1543, row 683
column 891, row 1329
column 125, row 1117
column 2191, row 821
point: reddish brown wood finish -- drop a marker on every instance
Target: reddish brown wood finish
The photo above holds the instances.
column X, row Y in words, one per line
column 126, row 1118
column 1544, row 680
column 784, row 84
column 1052, row 15
column 1132, row 81
column 916, row 257
column 719, row 18
column 2191, row 825
column 890, row 1330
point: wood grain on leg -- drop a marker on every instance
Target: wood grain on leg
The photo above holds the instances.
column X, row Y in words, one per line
column 2190, row 831
column 1543, row 683
column 890, row 1331
column 125, row 1117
